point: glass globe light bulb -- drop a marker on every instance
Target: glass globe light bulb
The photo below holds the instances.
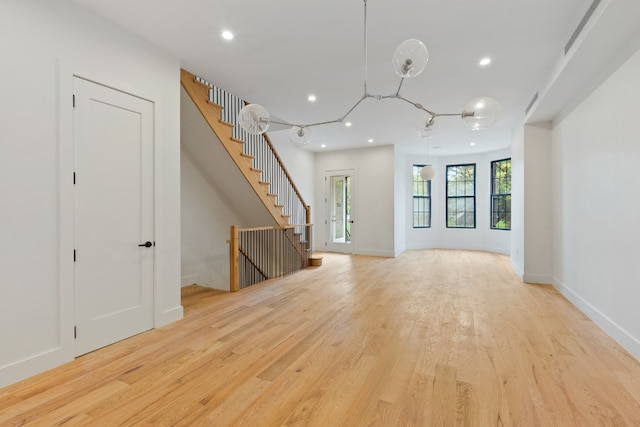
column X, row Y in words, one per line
column 427, row 172
column 410, row 58
column 425, row 127
column 299, row 136
column 254, row 118
column 481, row 113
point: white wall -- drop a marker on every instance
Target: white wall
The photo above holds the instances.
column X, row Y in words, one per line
column 439, row 236
column 402, row 192
column 517, row 202
column 537, row 203
column 42, row 44
column 596, row 180
column 373, row 197
column 531, row 223
column 206, row 219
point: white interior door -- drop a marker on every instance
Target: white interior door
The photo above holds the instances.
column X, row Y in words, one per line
column 113, row 215
column 340, row 220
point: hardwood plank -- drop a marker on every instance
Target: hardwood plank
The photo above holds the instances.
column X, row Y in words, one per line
column 433, row 337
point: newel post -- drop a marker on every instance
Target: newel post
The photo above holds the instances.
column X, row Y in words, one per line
column 234, row 255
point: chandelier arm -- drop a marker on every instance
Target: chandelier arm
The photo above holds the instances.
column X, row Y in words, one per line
column 463, row 114
column 366, row 55
column 338, row 120
column 365, row 96
column 281, row 123
column 400, row 86
column 419, row 106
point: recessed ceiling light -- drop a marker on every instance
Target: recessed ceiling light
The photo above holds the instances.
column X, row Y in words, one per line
column 485, row 61
column 311, row 98
column 370, row 140
column 472, row 144
column 348, row 124
column 227, row 35
column 324, row 146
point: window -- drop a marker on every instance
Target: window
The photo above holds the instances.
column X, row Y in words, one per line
column 421, row 199
column 461, row 196
column 501, row 194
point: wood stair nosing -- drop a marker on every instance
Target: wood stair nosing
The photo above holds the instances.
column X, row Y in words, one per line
column 231, row 125
column 215, row 104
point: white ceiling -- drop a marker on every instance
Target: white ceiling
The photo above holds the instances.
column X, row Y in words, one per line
column 284, row 50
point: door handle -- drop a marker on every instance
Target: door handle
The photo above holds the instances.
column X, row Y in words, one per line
column 350, row 221
column 146, row 244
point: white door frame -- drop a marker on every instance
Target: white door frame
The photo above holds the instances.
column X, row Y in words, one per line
column 128, row 311
column 330, row 245
column 67, row 71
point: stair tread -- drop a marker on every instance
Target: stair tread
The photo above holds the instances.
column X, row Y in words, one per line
column 215, row 104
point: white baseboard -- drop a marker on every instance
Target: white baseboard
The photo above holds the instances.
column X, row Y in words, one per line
column 189, row 280
column 34, row 365
column 542, row 279
column 169, row 316
column 615, row 331
column 386, row 254
column 516, row 269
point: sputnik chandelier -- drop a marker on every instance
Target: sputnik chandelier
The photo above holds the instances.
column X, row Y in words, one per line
column 409, row 60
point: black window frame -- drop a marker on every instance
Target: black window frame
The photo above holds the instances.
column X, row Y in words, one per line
column 464, row 197
column 418, row 197
column 498, row 214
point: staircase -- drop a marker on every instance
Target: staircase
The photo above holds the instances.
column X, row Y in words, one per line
column 266, row 252
column 254, row 155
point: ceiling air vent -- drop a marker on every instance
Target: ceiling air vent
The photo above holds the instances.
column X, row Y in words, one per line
column 581, row 25
column 533, row 101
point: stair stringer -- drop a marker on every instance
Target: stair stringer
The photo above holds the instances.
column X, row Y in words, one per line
column 199, row 95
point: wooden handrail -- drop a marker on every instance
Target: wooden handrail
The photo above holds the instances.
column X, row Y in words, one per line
column 273, row 227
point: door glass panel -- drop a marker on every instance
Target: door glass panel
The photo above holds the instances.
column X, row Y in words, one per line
column 340, row 209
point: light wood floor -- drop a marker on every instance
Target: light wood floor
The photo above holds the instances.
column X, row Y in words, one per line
column 431, row 338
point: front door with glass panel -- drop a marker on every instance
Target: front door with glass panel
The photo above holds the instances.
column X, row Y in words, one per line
column 340, row 222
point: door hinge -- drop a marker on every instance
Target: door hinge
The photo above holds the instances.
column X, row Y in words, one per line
column 74, row 101
column 74, row 178
column 74, row 255
column 75, row 332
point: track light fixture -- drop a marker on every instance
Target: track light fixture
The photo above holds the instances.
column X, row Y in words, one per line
column 409, row 60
